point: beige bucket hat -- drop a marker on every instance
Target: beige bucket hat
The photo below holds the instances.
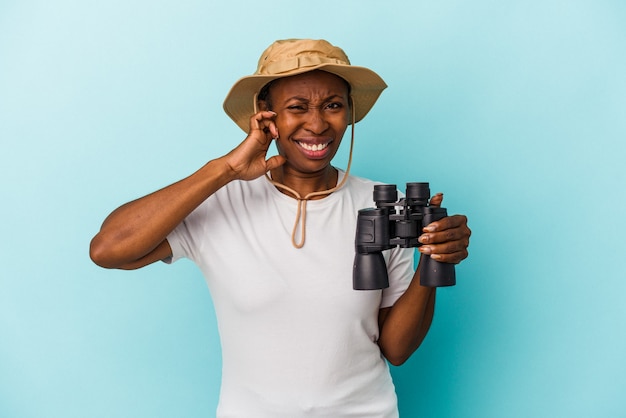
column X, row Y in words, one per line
column 289, row 57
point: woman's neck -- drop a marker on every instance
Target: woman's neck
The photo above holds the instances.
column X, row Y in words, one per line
column 306, row 183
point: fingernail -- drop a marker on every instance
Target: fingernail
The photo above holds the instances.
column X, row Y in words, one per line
column 430, row 228
column 425, row 250
column 435, row 256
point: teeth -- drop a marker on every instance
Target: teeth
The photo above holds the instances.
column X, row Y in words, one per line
column 316, row 147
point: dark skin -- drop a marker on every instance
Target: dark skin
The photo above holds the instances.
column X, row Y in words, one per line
column 309, row 115
column 312, row 118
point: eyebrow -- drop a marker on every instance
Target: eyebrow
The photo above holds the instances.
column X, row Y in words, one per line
column 304, row 99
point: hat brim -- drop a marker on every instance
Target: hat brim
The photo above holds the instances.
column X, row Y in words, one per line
column 366, row 87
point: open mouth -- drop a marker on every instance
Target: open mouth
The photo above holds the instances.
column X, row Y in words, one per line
column 312, row 147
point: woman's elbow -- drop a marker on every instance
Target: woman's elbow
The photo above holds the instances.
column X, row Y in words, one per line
column 397, row 360
column 395, row 355
column 101, row 253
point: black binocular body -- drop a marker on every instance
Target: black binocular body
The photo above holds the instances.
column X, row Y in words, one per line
column 394, row 223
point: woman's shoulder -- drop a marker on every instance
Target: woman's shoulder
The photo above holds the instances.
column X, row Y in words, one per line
column 359, row 183
column 360, row 189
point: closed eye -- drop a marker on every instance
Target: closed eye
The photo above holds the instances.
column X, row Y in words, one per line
column 334, row 106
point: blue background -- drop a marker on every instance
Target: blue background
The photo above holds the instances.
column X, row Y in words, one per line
column 516, row 110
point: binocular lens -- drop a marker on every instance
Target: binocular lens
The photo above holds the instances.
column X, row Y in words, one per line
column 417, row 191
column 385, row 193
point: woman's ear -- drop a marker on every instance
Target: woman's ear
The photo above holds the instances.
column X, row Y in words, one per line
column 262, row 105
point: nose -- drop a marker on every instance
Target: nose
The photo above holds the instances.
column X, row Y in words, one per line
column 316, row 122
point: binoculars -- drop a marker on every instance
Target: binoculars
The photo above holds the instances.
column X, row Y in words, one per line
column 394, row 223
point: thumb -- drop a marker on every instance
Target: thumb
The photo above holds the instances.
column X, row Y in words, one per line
column 436, row 200
column 275, row 162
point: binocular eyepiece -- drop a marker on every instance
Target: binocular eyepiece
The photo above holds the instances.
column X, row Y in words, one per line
column 394, row 223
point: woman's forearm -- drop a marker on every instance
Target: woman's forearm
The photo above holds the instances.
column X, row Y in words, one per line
column 134, row 230
column 407, row 322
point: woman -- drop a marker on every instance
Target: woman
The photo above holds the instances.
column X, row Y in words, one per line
column 274, row 238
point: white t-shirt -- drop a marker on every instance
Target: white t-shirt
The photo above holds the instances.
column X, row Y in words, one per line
column 297, row 340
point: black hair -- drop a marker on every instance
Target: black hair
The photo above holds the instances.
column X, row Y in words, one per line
column 264, row 94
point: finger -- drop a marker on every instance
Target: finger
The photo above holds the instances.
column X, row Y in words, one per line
column 448, row 222
column 456, row 229
column 452, row 258
column 275, row 162
column 264, row 121
column 454, row 234
column 446, row 253
column 271, row 129
column 436, row 200
column 447, row 247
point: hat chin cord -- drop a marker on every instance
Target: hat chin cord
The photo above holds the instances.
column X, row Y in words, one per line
column 302, row 201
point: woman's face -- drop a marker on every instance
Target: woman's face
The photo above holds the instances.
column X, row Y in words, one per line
column 312, row 114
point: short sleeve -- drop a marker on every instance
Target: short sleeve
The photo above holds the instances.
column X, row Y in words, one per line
column 183, row 239
column 175, row 239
